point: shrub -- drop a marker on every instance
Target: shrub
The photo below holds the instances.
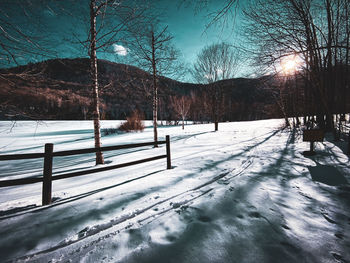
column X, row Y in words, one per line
column 133, row 123
column 109, row 131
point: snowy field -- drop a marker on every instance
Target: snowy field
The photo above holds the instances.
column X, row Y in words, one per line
column 242, row 194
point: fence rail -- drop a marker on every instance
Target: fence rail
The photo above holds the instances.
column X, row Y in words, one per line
column 49, row 154
column 21, row 156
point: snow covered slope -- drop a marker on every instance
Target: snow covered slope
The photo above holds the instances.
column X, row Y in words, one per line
column 242, row 194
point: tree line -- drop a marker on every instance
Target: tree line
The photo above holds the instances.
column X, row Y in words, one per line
column 317, row 32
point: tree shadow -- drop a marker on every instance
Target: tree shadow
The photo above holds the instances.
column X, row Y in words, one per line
column 245, row 232
column 6, row 214
column 342, row 143
column 268, row 236
column 327, row 174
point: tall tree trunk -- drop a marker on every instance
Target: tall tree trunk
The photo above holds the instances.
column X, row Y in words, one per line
column 216, row 108
column 329, row 78
column 155, row 93
column 216, row 123
column 346, row 84
column 183, row 112
column 94, row 78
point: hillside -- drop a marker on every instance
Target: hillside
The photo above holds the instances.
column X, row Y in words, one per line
column 59, row 89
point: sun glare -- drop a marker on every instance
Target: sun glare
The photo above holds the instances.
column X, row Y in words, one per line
column 290, row 64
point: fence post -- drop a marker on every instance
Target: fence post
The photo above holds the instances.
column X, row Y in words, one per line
column 312, row 146
column 168, row 158
column 47, row 175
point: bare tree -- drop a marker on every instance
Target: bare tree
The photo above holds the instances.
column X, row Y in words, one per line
column 114, row 19
column 215, row 62
column 18, row 40
column 221, row 16
column 181, row 106
column 154, row 52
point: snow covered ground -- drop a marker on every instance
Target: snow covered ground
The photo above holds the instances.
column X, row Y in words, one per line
column 242, row 194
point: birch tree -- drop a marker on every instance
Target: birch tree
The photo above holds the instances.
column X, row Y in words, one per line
column 181, row 106
column 109, row 21
column 154, row 52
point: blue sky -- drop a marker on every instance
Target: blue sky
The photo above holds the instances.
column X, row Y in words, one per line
column 184, row 23
column 188, row 27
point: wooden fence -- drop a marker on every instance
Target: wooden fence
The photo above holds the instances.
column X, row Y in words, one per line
column 48, row 155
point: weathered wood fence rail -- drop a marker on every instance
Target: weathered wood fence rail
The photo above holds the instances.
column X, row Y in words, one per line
column 48, row 155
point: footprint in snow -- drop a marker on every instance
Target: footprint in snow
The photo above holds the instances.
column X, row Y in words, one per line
column 328, row 219
column 254, row 214
column 204, row 219
column 339, row 235
column 285, row 226
column 135, row 237
column 338, row 257
column 84, row 232
column 305, row 195
column 224, row 182
column 170, row 238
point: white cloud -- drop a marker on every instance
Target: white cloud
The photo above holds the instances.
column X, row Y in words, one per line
column 120, row 50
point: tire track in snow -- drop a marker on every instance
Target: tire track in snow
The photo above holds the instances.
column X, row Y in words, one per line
column 123, row 219
column 91, row 231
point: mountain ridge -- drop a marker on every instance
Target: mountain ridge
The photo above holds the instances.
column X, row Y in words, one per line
column 60, row 89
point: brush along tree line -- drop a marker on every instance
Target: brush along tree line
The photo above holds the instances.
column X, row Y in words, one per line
column 318, row 33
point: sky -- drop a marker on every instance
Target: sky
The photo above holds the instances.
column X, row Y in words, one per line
column 186, row 23
column 189, row 28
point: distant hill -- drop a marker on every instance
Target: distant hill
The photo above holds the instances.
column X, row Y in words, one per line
column 60, row 89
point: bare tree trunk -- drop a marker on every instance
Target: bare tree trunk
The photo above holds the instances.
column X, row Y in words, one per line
column 216, row 123
column 155, row 93
column 215, row 106
column 94, row 78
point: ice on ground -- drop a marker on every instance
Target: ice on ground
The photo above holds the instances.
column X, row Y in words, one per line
column 242, row 194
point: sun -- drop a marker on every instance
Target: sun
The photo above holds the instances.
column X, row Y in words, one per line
column 290, row 64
